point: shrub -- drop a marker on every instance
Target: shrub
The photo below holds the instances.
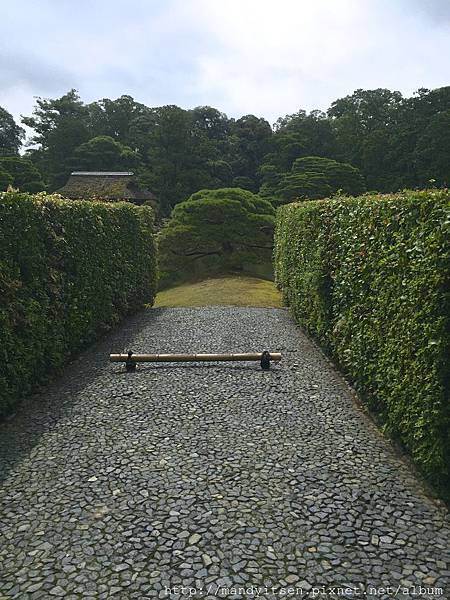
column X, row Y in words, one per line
column 368, row 277
column 25, row 175
column 311, row 177
column 217, row 231
column 68, row 272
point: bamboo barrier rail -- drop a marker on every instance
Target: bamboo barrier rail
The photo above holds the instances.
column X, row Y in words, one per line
column 130, row 359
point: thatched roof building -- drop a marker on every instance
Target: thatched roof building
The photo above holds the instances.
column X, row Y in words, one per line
column 105, row 185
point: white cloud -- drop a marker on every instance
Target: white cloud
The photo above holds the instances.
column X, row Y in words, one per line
column 267, row 57
column 276, row 57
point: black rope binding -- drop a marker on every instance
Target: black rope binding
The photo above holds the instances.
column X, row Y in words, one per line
column 265, row 360
column 130, row 365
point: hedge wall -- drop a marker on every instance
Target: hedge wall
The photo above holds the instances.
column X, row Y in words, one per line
column 368, row 277
column 69, row 271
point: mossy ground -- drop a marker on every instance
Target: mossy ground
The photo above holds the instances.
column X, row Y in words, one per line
column 221, row 291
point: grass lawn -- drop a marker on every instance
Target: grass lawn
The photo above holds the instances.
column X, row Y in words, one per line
column 221, row 291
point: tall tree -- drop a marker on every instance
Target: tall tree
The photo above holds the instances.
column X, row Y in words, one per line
column 303, row 134
column 364, row 124
column 115, row 118
column 212, row 124
column 170, row 156
column 60, row 126
column 416, row 127
column 250, row 141
column 432, row 152
column 11, row 135
column 297, row 135
column 183, row 152
column 102, row 153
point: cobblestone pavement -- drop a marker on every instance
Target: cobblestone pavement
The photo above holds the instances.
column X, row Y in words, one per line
column 206, row 481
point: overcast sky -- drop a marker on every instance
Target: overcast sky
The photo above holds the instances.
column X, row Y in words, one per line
column 266, row 57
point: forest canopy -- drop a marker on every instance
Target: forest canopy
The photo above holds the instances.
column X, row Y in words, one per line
column 391, row 141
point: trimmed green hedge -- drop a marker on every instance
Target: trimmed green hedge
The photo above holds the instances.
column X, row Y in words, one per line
column 69, row 271
column 368, row 277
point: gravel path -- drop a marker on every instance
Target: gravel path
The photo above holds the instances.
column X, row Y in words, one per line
column 203, row 481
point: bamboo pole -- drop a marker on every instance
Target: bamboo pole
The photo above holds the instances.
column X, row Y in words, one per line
column 250, row 356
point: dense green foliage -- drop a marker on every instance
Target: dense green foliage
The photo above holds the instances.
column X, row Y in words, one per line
column 11, row 135
column 60, row 126
column 369, row 278
column 79, row 268
column 314, row 177
column 6, row 179
column 217, row 231
column 395, row 142
column 103, row 153
column 14, row 170
column 175, row 152
column 23, row 174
